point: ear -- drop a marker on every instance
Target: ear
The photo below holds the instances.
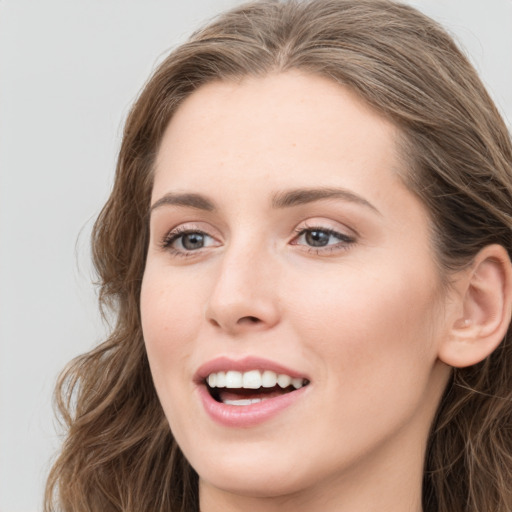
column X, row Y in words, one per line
column 484, row 311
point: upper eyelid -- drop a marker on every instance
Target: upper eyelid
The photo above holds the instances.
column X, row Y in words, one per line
column 328, row 225
column 343, row 238
column 181, row 230
column 331, row 231
column 199, row 226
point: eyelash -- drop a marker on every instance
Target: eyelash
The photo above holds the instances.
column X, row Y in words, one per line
column 345, row 241
column 176, row 234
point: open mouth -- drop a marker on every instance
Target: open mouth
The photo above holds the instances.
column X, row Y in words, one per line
column 254, row 386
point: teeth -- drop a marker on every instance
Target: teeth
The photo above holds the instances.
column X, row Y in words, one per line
column 253, row 379
column 284, row 381
column 244, row 401
column 221, row 380
column 296, row 383
column 268, row 379
column 233, row 379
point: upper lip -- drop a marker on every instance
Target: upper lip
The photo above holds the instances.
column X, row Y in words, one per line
column 245, row 364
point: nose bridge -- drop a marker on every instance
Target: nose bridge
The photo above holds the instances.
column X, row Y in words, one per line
column 244, row 294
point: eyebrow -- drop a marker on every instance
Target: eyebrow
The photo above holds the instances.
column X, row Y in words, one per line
column 284, row 199
column 189, row 200
column 296, row 197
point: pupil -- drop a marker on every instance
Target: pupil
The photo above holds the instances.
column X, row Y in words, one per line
column 193, row 241
column 317, row 238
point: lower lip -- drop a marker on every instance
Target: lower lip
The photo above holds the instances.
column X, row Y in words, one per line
column 247, row 415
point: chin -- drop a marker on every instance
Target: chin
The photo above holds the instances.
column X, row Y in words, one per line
column 253, row 480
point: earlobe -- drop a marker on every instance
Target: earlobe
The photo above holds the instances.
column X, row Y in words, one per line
column 485, row 312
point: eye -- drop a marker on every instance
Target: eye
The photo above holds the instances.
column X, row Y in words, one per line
column 320, row 237
column 183, row 241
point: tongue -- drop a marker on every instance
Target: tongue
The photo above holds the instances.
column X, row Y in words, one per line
column 250, row 394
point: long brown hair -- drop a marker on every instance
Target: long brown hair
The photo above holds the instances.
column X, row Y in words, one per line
column 119, row 453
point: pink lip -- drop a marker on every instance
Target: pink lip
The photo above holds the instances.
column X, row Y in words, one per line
column 248, row 415
column 222, row 364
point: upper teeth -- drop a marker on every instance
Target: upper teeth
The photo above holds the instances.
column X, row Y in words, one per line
column 252, row 379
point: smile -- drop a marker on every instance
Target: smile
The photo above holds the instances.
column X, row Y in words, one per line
column 250, row 387
column 244, row 393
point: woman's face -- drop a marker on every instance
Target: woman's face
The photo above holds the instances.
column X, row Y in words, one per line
column 283, row 243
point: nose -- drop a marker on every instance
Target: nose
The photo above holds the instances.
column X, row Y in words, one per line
column 244, row 295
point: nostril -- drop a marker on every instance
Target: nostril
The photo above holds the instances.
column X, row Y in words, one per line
column 249, row 319
column 245, row 320
column 214, row 322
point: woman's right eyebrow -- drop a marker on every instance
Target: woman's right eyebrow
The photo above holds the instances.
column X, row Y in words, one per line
column 189, row 200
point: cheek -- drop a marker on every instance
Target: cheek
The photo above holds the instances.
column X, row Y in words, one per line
column 369, row 326
column 170, row 320
column 374, row 343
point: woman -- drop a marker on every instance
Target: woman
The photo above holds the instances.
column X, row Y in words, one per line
column 307, row 250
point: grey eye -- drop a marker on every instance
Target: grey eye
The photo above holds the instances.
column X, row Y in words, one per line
column 317, row 238
column 192, row 241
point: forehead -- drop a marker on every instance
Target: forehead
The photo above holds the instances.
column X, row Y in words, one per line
column 281, row 127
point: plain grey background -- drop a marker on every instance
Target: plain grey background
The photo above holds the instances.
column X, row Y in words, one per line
column 69, row 70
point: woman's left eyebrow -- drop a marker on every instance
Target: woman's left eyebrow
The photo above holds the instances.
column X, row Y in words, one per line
column 299, row 196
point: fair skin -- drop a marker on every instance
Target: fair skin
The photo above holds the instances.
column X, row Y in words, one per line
column 343, row 290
